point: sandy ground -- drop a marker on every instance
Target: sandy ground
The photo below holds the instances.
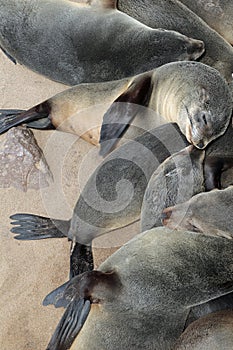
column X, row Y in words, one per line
column 30, row 270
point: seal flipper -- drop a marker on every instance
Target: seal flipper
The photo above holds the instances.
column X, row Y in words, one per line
column 70, row 325
column 81, row 292
column 57, row 297
column 120, row 114
column 81, row 259
column 8, row 55
column 34, row 227
column 40, row 112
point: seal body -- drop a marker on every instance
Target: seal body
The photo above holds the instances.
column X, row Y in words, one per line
column 175, row 181
column 158, row 276
column 60, row 40
column 113, row 194
column 173, row 15
column 217, row 14
column 192, row 94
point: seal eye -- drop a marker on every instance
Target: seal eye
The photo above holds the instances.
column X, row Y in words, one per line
column 204, row 119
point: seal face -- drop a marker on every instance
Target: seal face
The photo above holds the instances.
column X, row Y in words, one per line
column 74, row 51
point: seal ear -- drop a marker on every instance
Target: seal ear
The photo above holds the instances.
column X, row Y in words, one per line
column 80, row 292
column 107, row 4
column 118, row 117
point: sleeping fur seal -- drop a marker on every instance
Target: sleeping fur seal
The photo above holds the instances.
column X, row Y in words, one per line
column 173, row 15
column 214, row 331
column 182, row 92
column 141, row 296
column 217, row 14
column 74, row 43
column 192, row 94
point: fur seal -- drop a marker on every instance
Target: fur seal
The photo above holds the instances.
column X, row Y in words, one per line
column 217, row 14
column 182, row 92
column 192, row 94
column 175, row 181
column 173, row 15
column 60, row 40
column 141, row 296
column 112, row 196
column 208, row 212
column 214, row 331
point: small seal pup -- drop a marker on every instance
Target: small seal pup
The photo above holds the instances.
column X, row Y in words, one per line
column 112, row 196
column 173, row 15
column 217, row 14
column 214, row 331
column 141, row 296
column 192, row 94
column 208, row 212
column 60, row 40
column 175, row 181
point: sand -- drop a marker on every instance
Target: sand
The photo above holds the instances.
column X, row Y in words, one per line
column 30, row 270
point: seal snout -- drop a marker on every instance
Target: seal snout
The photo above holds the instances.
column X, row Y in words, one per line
column 200, row 129
column 195, row 48
column 200, row 144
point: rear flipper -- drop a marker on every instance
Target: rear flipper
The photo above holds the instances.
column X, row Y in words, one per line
column 80, row 292
column 81, row 259
column 33, row 227
column 70, row 325
column 36, row 117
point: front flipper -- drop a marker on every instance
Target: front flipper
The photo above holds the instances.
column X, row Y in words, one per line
column 34, row 227
column 81, row 259
column 120, row 114
column 70, row 325
column 41, row 112
column 8, row 55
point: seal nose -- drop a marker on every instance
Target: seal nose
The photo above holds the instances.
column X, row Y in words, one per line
column 195, row 48
column 200, row 144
